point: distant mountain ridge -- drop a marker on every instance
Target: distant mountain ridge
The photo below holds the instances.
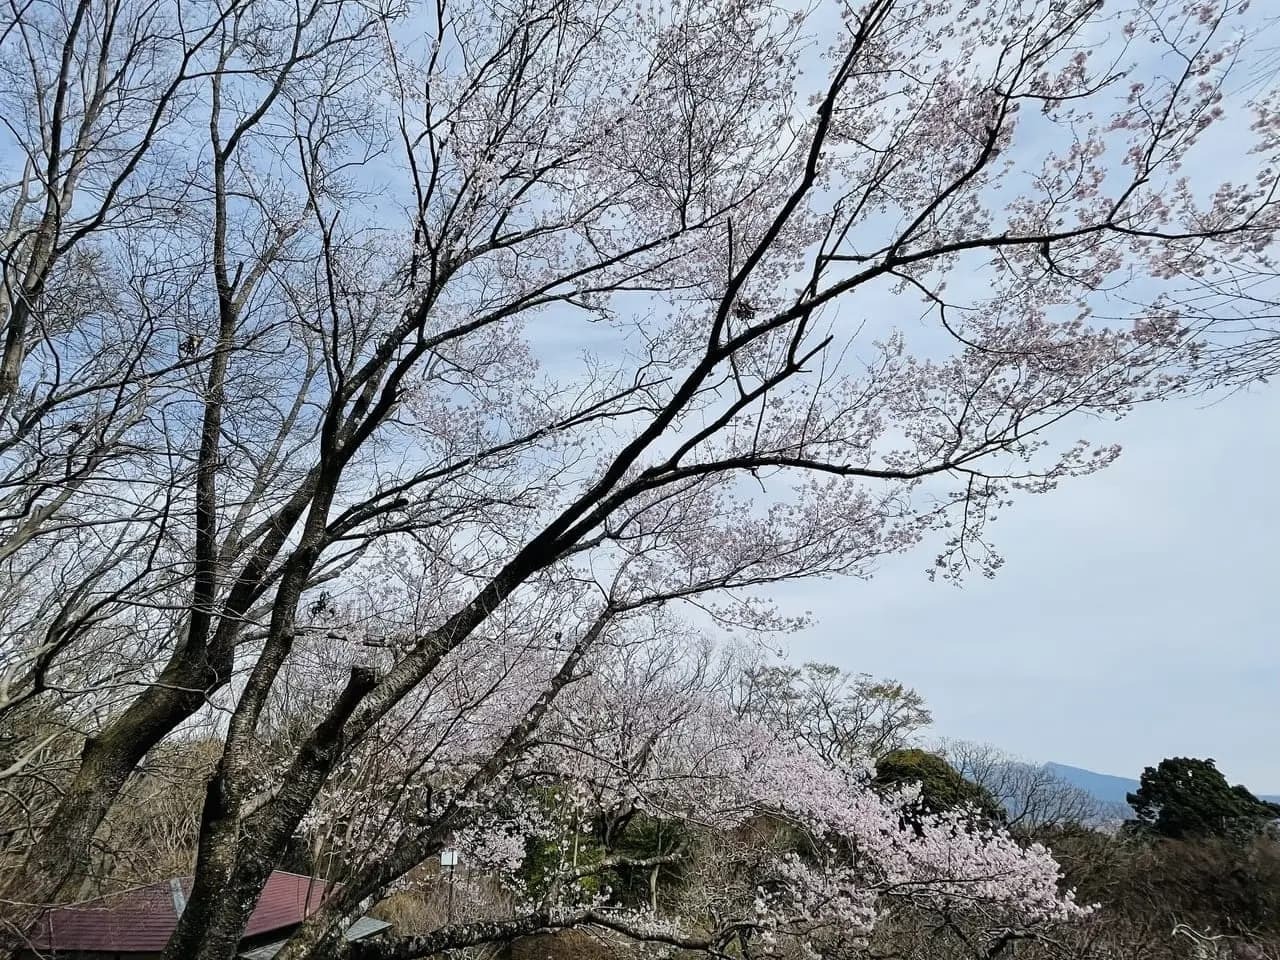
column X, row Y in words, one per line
column 1108, row 788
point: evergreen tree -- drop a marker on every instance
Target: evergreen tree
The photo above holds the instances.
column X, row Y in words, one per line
column 941, row 785
column 1185, row 797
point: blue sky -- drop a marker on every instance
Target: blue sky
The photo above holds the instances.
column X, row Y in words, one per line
column 1136, row 617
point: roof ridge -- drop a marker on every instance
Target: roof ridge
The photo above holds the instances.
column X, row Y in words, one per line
column 179, row 896
column 79, row 904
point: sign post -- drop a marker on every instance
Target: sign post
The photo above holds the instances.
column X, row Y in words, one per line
column 449, row 858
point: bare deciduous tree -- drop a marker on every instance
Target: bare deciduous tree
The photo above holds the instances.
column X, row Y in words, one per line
column 839, row 715
column 1034, row 798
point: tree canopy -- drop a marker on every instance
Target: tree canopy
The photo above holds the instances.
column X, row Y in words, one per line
column 840, row 715
column 1186, row 797
column 942, row 787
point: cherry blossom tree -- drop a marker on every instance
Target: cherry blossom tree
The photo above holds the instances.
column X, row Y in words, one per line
column 645, row 739
column 290, row 292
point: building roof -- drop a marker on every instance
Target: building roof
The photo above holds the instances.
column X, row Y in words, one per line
column 364, row 927
column 143, row 919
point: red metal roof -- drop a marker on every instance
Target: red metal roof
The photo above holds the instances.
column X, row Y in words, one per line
column 142, row 920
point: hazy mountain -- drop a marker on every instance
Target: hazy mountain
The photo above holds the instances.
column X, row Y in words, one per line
column 1104, row 786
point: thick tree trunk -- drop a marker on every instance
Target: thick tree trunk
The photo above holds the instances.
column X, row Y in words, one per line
column 238, row 851
column 228, row 882
column 57, row 860
column 236, row 857
column 55, row 866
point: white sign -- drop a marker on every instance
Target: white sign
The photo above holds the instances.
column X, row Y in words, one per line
column 448, row 858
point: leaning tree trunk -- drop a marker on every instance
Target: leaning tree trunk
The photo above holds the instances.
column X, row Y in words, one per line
column 238, row 852
column 57, row 860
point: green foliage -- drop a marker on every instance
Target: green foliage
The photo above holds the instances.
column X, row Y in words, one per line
column 645, row 837
column 579, row 842
column 941, row 786
column 1184, row 798
column 572, row 844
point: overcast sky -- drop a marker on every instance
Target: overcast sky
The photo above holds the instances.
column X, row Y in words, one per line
column 1136, row 617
